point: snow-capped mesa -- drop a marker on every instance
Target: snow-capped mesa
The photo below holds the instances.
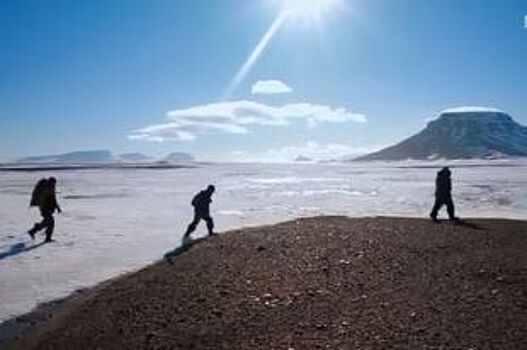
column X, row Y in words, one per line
column 461, row 133
column 78, row 157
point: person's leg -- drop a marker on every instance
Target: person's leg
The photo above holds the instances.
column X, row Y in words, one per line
column 450, row 209
column 437, row 205
column 50, row 226
column 192, row 226
column 31, row 232
column 210, row 224
column 38, row 225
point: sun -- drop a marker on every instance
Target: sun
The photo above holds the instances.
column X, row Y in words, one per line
column 308, row 9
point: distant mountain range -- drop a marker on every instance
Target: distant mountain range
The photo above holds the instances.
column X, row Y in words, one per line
column 99, row 156
column 133, row 158
column 178, row 157
column 461, row 133
column 105, row 157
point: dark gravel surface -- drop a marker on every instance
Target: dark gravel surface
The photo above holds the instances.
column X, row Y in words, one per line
column 316, row 283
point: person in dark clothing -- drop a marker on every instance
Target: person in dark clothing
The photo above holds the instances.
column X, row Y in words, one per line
column 201, row 203
column 443, row 195
column 47, row 203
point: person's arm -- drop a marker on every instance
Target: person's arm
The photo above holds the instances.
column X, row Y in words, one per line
column 57, row 206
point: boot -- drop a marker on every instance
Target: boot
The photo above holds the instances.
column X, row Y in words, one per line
column 434, row 218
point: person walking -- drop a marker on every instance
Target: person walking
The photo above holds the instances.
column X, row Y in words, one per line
column 44, row 196
column 201, row 203
column 443, row 195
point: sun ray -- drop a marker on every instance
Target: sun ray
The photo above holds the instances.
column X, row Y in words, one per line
column 305, row 10
column 255, row 54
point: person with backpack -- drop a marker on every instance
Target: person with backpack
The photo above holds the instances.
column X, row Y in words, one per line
column 443, row 195
column 201, row 203
column 44, row 196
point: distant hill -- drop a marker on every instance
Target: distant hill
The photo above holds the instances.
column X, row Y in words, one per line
column 302, row 158
column 178, row 157
column 461, row 133
column 80, row 157
column 106, row 157
column 133, row 158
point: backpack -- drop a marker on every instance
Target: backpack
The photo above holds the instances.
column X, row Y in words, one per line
column 196, row 199
column 38, row 192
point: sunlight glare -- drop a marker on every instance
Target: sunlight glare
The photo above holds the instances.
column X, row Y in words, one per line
column 308, row 9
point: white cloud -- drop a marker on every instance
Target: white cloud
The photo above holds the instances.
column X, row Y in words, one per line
column 162, row 132
column 309, row 151
column 270, row 87
column 471, row 109
column 235, row 117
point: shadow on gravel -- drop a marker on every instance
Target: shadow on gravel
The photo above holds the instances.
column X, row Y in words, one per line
column 15, row 328
column 470, row 225
column 18, row 248
column 182, row 249
column 463, row 223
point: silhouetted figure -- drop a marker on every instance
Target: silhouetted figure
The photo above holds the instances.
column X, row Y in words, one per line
column 443, row 195
column 45, row 198
column 201, row 203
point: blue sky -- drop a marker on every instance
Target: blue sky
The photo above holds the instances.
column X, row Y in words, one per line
column 78, row 75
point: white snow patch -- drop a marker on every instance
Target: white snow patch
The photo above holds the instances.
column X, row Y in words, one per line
column 472, row 109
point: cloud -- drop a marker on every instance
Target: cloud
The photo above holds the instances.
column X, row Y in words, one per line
column 270, row 87
column 162, row 132
column 471, row 109
column 311, row 150
column 236, row 117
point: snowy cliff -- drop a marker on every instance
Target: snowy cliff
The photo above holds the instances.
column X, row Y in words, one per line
column 461, row 133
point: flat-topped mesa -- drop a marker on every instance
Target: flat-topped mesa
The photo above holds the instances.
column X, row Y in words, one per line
column 475, row 116
column 461, row 133
column 77, row 157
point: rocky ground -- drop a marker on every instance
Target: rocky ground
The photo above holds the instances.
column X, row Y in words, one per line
column 316, row 283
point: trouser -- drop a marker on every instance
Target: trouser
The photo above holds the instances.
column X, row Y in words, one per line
column 439, row 203
column 48, row 223
column 198, row 216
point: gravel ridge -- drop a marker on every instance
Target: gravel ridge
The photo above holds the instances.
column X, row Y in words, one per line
column 314, row 283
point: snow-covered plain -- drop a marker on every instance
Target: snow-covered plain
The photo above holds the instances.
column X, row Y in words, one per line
column 117, row 221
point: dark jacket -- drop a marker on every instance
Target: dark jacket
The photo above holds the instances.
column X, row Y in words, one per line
column 201, row 201
column 48, row 201
column 443, row 184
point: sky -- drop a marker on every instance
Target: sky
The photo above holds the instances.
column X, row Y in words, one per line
column 157, row 76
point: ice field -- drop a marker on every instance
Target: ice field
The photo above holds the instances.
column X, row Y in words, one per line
column 118, row 220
